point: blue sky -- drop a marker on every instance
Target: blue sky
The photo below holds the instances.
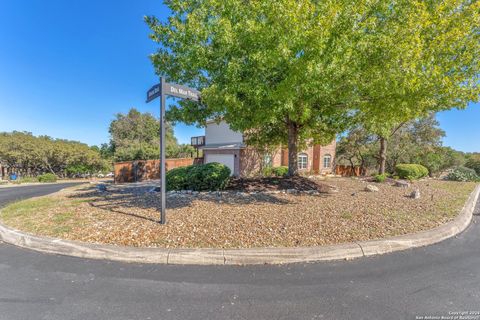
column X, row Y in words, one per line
column 66, row 67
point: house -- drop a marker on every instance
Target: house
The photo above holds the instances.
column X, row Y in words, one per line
column 223, row 145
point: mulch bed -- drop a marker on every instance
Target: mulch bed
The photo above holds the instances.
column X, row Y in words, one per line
column 128, row 214
column 276, row 183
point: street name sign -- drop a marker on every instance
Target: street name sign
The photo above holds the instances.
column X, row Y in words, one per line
column 154, row 92
column 179, row 91
column 162, row 90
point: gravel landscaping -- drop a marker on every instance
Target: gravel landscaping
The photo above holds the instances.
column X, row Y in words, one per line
column 252, row 214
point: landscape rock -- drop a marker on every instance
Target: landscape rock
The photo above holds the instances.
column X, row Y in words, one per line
column 415, row 194
column 332, row 191
column 157, row 189
column 402, row 184
column 371, row 188
column 102, row 188
column 292, row 191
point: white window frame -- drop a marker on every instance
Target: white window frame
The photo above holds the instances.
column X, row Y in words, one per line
column 329, row 157
column 302, row 164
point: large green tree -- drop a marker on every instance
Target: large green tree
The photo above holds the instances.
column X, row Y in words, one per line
column 276, row 70
column 294, row 71
column 425, row 59
column 136, row 136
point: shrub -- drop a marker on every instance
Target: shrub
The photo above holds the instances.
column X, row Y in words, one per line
column 267, row 171
column 28, row 180
column 203, row 177
column 280, row 171
column 47, row 177
column 275, row 171
column 380, row 177
column 177, row 178
column 463, row 174
column 411, row 171
column 474, row 164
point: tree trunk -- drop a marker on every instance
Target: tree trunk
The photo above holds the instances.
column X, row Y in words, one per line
column 352, row 165
column 292, row 149
column 382, row 156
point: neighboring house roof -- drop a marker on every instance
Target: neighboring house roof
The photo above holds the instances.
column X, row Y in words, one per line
column 223, row 146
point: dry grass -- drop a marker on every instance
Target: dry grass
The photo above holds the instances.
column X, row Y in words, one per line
column 128, row 215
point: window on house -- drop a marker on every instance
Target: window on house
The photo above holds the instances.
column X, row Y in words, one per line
column 302, row 161
column 267, row 160
column 327, row 161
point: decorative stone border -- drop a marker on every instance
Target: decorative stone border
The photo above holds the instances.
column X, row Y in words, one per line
column 243, row 256
column 240, row 193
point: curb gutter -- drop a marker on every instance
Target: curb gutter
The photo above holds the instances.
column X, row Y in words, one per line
column 243, row 256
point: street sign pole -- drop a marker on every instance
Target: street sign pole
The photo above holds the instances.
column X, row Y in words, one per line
column 162, row 154
column 162, row 90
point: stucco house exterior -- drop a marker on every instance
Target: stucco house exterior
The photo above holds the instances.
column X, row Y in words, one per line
column 223, row 145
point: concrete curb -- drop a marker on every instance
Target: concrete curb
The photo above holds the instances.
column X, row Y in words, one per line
column 243, row 256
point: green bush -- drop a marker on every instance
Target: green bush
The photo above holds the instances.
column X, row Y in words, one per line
column 28, row 179
column 267, row 171
column 203, row 177
column 463, row 174
column 380, row 177
column 275, row 171
column 280, row 171
column 411, row 171
column 177, row 178
column 47, row 177
column 474, row 164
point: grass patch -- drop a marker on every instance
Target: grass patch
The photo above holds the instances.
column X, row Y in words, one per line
column 26, row 208
column 347, row 215
column 47, row 216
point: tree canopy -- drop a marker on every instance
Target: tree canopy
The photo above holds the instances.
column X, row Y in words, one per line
column 28, row 155
column 297, row 71
column 418, row 141
column 136, row 136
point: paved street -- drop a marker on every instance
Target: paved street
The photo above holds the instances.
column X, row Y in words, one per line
column 428, row 281
column 14, row 193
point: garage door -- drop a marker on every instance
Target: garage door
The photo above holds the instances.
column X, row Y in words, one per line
column 226, row 159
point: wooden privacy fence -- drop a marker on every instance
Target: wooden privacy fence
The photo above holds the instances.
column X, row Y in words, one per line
column 348, row 171
column 141, row 170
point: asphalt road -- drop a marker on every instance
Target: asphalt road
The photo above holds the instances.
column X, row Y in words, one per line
column 14, row 193
column 434, row 281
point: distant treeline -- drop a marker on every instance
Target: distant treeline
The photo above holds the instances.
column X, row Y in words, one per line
column 418, row 141
column 27, row 155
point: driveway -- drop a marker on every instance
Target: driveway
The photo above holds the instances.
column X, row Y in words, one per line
column 432, row 281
